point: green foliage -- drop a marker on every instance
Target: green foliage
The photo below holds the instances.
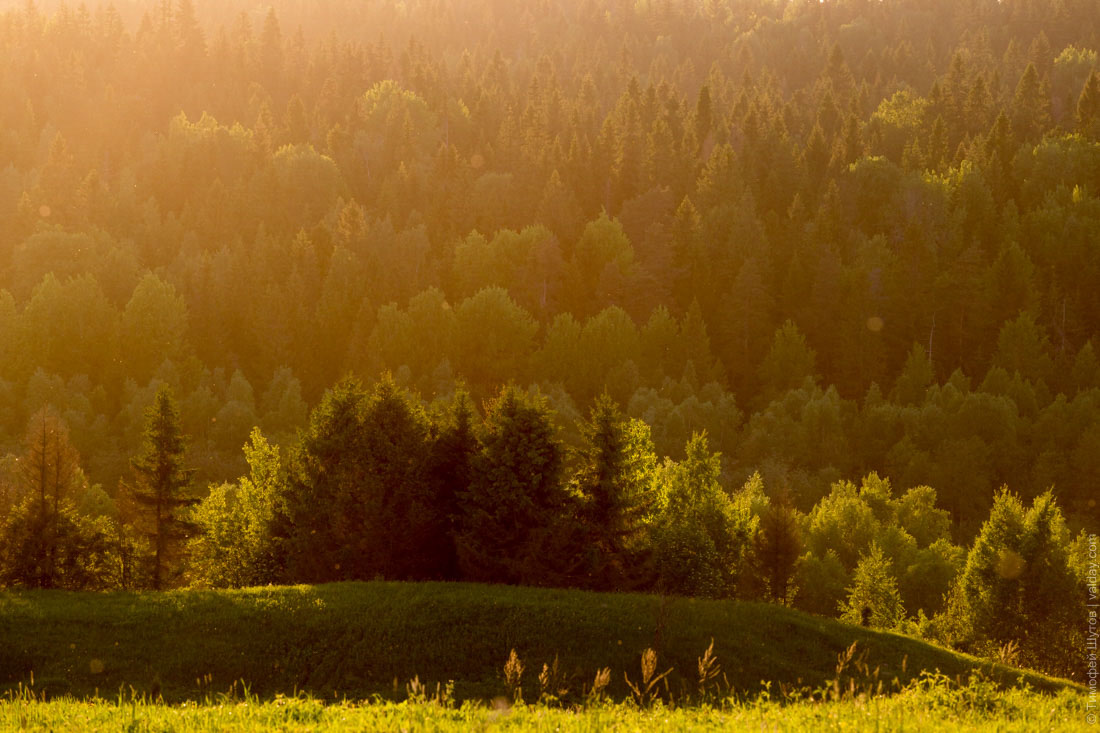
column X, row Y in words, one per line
column 1018, row 585
column 613, row 474
column 915, row 378
column 496, row 216
column 702, row 537
column 59, row 548
column 494, row 336
column 233, row 546
column 873, row 598
column 45, row 542
column 917, row 513
column 516, row 497
column 1023, row 347
column 366, row 459
column 160, row 484
column 822, row 583
column 789, row 362
column 842, row 522
column 898, row 120
column 154, row 325
column 777, row 549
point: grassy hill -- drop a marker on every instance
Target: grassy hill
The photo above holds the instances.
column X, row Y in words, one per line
column 361, row 639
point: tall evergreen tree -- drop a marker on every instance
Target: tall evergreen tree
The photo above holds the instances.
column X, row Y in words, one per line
column 365, row 458
column 451, row 455
column 616, row 499
column 326, row 463
column 777, row 548
column 1088, row 107
column 161, row 482
column 516, row 492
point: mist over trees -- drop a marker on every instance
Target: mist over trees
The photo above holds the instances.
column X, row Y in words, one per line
column 737, row 299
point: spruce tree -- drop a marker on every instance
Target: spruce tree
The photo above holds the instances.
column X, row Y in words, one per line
column 1088, row 106
column 358, row 503
column 516, row 497
column 161, row 482
column 616, row 499
column 451, row 454
column 325, row 465
column 777, row 547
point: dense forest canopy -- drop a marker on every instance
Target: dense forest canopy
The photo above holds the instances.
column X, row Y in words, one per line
column 842, row 239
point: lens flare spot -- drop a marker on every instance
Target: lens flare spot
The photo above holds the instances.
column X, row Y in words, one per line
column 44, row 211
column 95, row 666
column 875, row 324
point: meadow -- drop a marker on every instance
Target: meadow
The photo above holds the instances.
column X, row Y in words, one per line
column 356, row 640
column 932, row 706
column 384, row 655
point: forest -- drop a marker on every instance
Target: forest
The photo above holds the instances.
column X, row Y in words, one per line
column 789, row 301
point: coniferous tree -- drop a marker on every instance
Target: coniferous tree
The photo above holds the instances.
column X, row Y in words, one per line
column 777, row 548
column 789, row 362
column 160, row 484
column 1088, row 107
column 516, row 492
column 451, row 455
column 44, row 541
column 616, row 497
column 365, row 457
column 324, row 465
column 1031, row 106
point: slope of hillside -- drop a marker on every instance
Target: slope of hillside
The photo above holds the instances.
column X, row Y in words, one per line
column 359, row 639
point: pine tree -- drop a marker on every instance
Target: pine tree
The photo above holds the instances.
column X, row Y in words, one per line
column 161, row 481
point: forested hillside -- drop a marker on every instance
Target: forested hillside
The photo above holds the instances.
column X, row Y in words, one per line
column 835, row 266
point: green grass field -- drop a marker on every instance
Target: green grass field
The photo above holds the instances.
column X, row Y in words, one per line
column 358, row 640
column 913, row 710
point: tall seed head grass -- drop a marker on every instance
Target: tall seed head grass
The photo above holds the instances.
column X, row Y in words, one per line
column 513, row 676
